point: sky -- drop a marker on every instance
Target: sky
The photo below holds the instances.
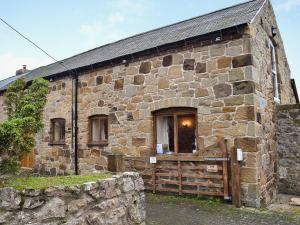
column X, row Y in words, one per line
column 68, row 27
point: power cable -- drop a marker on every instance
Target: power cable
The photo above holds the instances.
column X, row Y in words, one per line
column 34, row 44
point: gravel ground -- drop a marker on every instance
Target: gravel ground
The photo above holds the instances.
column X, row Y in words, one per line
column 173, row 210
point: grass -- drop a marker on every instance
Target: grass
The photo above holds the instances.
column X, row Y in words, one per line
column 186, row 199
column 29, row 182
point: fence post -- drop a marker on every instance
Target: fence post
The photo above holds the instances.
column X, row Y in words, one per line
column 235, row 175
column 153, row 178
column 223, row 146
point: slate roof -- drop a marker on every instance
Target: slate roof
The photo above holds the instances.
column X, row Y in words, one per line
column 211, row 22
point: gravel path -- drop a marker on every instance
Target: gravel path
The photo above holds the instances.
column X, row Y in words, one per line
column 170, row 210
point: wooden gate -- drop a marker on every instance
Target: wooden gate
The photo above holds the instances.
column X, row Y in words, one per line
column 28, row 160
column 184, row 174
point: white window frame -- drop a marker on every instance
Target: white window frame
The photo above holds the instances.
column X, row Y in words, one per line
column 274, row 73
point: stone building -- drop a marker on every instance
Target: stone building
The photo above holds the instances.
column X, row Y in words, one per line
column 220, row 74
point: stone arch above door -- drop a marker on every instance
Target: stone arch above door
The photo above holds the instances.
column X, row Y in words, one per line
column 173, row 103
column 97, row 111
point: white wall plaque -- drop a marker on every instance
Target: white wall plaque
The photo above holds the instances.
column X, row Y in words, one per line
column 239, row 153
column 212, row 168
column 153, row 160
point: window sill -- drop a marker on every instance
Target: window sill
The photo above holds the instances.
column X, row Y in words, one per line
column 97, row 144
column 57, row 143
column 178, row 154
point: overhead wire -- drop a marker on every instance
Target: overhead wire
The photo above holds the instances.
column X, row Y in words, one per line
column 34, row 44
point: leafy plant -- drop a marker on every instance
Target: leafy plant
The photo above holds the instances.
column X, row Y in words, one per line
column 24, row 107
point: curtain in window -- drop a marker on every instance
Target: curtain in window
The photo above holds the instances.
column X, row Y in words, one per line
column 96, row 130
column 162, row 130
column 58, row 131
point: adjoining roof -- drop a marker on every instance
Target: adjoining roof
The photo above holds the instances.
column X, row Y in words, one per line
column 211, row 22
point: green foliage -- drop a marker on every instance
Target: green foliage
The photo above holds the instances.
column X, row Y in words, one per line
column 24, row 107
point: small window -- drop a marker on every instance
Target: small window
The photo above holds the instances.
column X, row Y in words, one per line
column 175, row 131
column 274, row 73
column 58, row 131
column 98, row 130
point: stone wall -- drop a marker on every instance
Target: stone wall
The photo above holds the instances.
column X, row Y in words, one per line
column 217, row 80
column 261, row 186
column 203, row 78
column 229, row 83
column 56, row 159
column 288, row 139
column 115, row 201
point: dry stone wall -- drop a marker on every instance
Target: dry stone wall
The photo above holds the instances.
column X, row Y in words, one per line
column 288, row 139
column 119, row 200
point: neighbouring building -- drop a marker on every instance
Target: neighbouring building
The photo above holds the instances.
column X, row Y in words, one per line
column 172, row 91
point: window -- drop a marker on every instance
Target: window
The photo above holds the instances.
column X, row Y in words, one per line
column 98, row 130
column 175, row 131
column 274, row 73
column 58, row 131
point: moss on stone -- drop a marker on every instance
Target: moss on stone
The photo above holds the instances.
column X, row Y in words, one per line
column 288, row 107
column 21, row 183
column 297, row 121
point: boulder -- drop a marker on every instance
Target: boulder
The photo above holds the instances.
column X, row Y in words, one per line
column 295, row 201
column 32, row 203
column 9, row 198
column 53, row 209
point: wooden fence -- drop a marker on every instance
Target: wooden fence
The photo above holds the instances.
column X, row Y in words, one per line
column 185, row 174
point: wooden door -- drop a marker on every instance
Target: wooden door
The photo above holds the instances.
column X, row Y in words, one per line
column 28, row 160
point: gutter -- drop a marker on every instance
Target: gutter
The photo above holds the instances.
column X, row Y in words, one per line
column 75, row 120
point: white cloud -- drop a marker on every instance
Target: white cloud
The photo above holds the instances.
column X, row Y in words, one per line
column 116, row 18
column 90, row 28
column 101, row 33
column 10, row 63
column 130, row 5
column 107, row 28
column 287, row 5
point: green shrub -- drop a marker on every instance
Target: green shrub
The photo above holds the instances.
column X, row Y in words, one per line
column 24, row 107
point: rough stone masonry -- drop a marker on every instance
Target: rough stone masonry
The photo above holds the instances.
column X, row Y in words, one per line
column 229, row 82
column 119, row 200
column 288, row 139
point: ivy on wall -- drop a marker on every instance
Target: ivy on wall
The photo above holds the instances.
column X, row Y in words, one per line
column 24, row 107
